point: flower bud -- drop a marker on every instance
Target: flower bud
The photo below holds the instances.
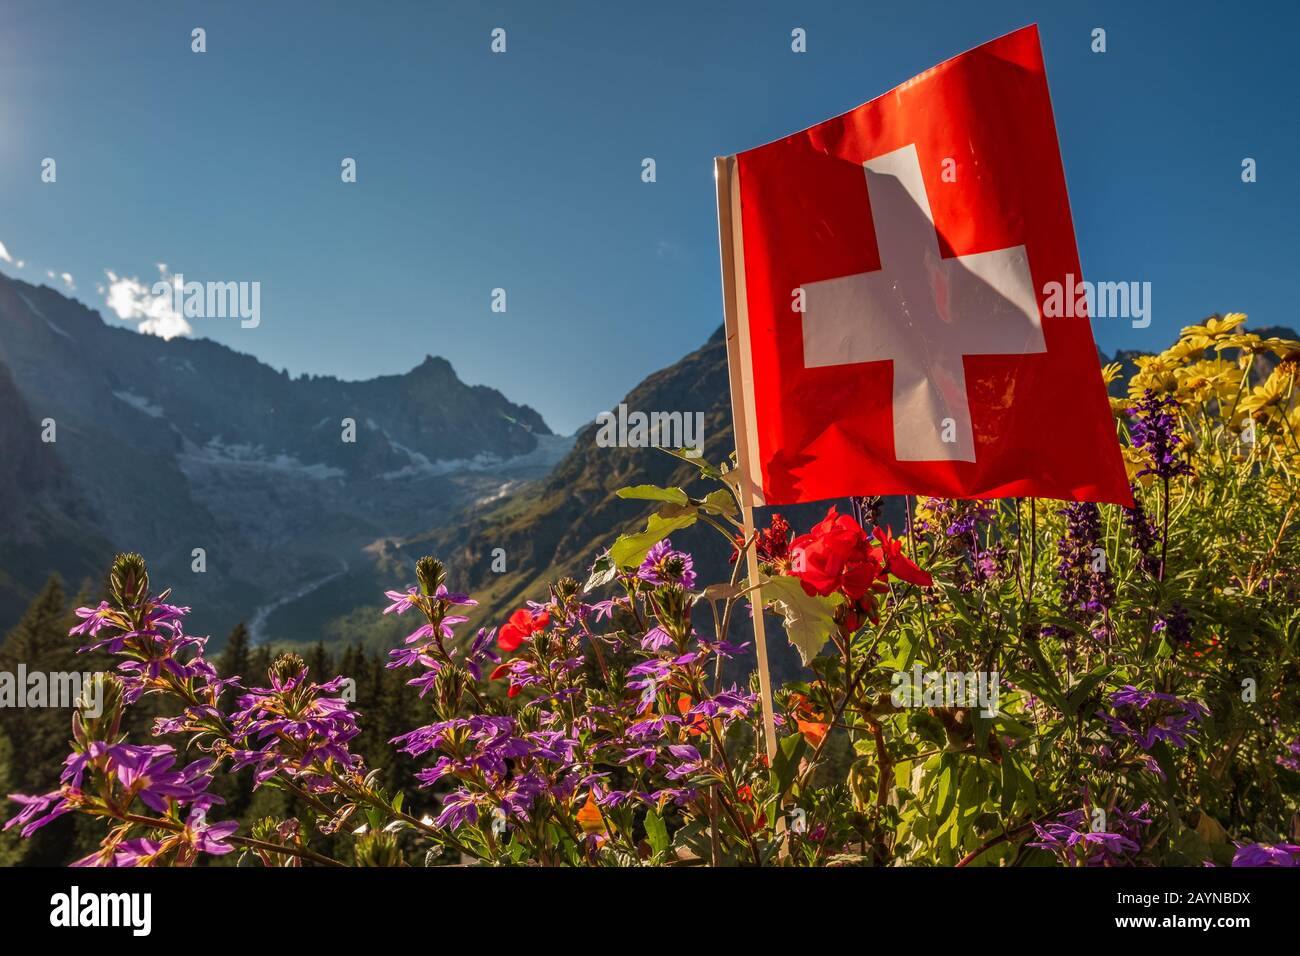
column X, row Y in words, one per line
column 449, row 686
column 564, row 591
column 674, row 610
column 285, row 669
column 128, row 581
column 98, row 717
column 431, row 573
column 378, row 848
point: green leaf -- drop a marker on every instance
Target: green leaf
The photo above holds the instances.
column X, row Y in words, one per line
column 722, row 592
column 720, row 502
column 602, row 572
column 656, row 832
column 1010, row 783
column 945, row 793
column 630, row 549
column 654, row 493
column 1083, row 689
column 707, row 470
column 808, row 620
column 789, row 752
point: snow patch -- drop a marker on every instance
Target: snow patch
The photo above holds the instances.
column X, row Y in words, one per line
column 255, row 457
column 140, row 404
column 550, row 449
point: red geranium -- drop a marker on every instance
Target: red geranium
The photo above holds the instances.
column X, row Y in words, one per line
column 522, row 625
column 890, row 553
column 835, row 556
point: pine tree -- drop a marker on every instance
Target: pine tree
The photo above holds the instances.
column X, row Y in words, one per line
column 236, row 660
column 319, row 665
column 12, row 846
column 38, row 737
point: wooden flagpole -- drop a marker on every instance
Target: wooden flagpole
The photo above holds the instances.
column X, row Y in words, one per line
column 730, row 241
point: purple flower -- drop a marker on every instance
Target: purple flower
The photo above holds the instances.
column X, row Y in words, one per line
column 1153, row 427
column 1084, row 591
column 663, row 565
column 403, row 601
column 1147, row 717
column 137, row 852
column 1262, row 854
column 291, row 727
column 656, row 639
column 147, row 773
column 458, row 808
column 1175, row 624
column 207, row 837
column 38, row 811
column 1142, row 535
column 93, row 620
column 1074, row 841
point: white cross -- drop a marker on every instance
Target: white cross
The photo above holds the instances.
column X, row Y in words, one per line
column 923, row 313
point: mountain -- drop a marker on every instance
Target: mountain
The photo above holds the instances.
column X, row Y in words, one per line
column 168, row 446
column 1264, row 363
column 557, row 525
column 47, row 526
column 165, row 447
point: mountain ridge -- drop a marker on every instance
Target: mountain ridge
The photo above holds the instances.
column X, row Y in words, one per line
column 187, row 443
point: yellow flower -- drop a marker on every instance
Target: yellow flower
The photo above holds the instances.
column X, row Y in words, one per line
column 1153, row 373
column 1110, row 373
column 1134, row 461
column 1181, row 351
column 1246, row 341
column 1273, row 396
column 1215, row 328
column 1284, row 349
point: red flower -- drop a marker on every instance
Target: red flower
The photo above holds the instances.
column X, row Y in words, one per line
column 772, row 543
column 835, row 556
column 503, row 670
column 522, row 624
column 890, row 553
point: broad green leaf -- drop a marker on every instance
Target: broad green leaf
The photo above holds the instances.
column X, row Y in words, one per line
column 945, row 791
column 720, row 502
column 656, row 832
column 654, row 493
column 707, row 470
column 1010, row 783
column 1083, row 689
column 789, row 752
column 630, row 549
column 808, row 620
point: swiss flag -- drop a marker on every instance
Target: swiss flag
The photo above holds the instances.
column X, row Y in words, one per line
column 885, row 274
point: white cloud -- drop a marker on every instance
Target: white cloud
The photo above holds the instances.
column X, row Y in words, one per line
column 133, row 301
column 66, row 277
column 6, row 257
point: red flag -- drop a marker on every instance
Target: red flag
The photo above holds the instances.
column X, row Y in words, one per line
column 888, row 273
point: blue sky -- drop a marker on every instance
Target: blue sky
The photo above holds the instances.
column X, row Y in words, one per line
column 522, row 170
